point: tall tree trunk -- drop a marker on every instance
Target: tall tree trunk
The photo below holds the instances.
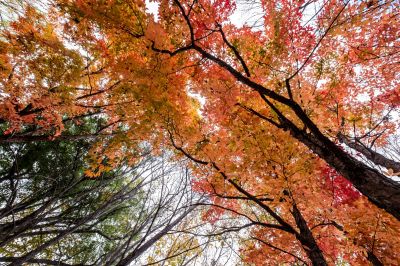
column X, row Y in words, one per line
column 379, row 189
column 307, row 239
column 374, row 259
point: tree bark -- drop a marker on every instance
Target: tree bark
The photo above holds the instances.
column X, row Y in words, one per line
column 379, row 189
column 374, row 259
column 307, row 239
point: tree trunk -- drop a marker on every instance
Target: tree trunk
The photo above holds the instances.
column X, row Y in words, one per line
column 374, row 259
column 379, row 189
column 307, row 239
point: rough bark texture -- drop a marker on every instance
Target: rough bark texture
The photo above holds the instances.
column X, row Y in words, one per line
column 379, row 189
column 307, row 239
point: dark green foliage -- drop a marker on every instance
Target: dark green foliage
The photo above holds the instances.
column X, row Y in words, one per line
column 45, row 196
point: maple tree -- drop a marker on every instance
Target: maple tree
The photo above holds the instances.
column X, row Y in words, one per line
column 298, row 110
column 338, row 220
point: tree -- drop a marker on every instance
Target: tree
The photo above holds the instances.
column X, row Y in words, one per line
column 305, row 93
column 303, row 106
column 283, row 215
column 303, row 51
column 53, row 213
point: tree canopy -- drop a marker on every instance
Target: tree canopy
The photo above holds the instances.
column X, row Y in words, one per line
column 289, row 128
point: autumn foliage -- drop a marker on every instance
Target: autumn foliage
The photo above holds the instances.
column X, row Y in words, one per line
column 288, row 127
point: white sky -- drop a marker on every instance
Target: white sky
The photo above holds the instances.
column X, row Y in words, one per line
column 238, row 18
column 152, row 8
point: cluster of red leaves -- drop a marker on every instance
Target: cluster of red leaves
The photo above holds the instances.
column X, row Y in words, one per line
column 391, row 97
column 342, row 190
column 213, row 214
column 217, row 205
column 226, row 5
